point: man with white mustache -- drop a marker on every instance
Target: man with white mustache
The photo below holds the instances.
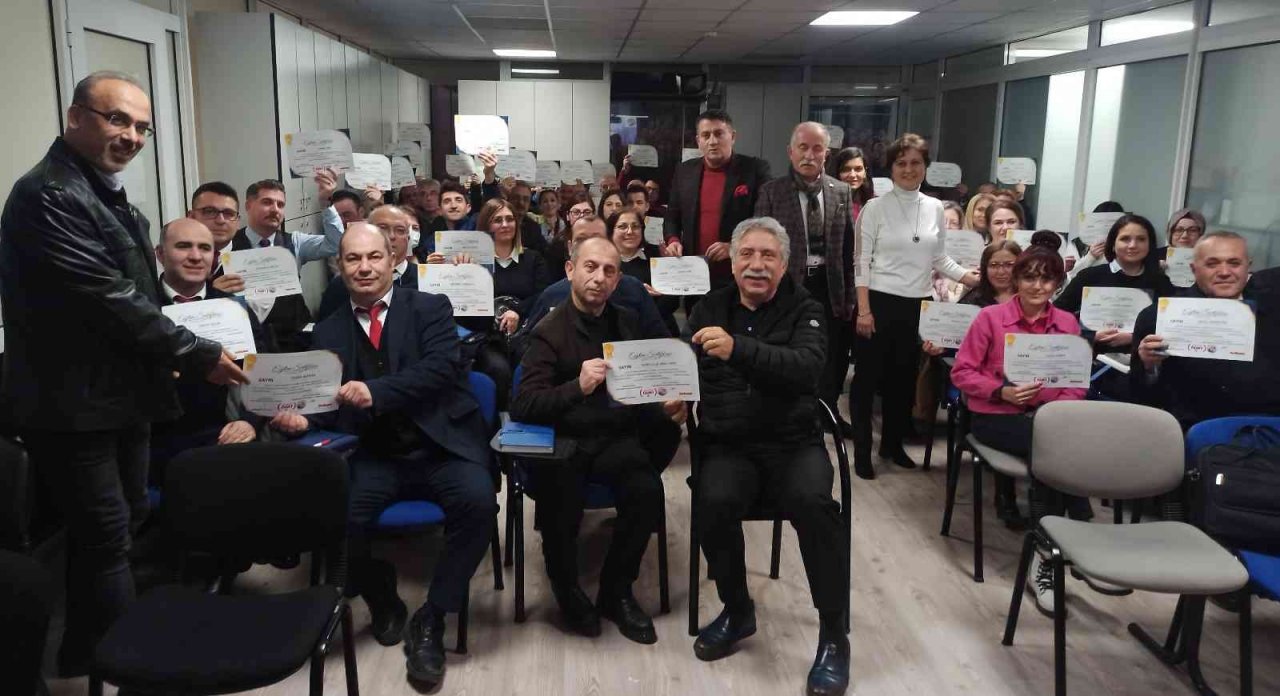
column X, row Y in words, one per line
column 814, row 208
column 761, row 349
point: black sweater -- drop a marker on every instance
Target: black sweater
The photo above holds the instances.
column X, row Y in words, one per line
column 1155, row 282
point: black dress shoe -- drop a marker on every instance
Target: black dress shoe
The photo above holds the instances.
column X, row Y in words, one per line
column 898, row 456
column 862, row 465
column 424, row 646
column 720, row 636
column 846, row 428
column 829, row 675
column 624, row 610
column 387, row 612
column 579, row 613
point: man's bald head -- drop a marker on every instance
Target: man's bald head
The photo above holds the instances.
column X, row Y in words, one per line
column 365, row 261
column 356, row 230
column 185, row 226
column 185, row 254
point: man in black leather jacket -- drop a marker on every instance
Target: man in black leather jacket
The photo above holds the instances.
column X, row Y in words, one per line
column 762, row 347
column 90, row 359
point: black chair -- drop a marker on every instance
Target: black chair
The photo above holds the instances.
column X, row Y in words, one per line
column 236, row 503
column 764, row 513
column 948, row 397
column 15, row 497
column 26, row 603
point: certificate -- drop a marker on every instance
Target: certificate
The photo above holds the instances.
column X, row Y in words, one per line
column 548, row 174
column 943, row 174
column 1055, row 361
column 1016, row 170
column 417, row 132
column 837, row 137
column 268, row 273
column 468, row 286
column 314, row 150
column 1178, row 266
column 600, row 170
column 1201, row 327
column 1112, row 308
column 646, row 372
column 402, row 173
column 479, row 245
column 680, row 275
column 223, row 320
column 475, row 134
column 459, row 165
column 882, row 185
column 965, row 247
column 303, row 383
column 517, row 164
column 1094, row 227
column 653, row 226
column 946, row 323
column 575, row 171
column 405, row 148
column 643, row 155
column 689, row 153
column 369, row 170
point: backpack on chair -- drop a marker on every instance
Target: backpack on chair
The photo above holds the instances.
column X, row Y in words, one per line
column 1239, row 490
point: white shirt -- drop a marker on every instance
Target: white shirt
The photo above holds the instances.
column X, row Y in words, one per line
column 366, row 320
column 401, row 268
column 888, row 258
column 506, row 263
column 171, row 293
column 638, row 255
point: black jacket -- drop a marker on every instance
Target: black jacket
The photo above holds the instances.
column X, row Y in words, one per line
column 87, row 346
column 743, row 177
column 766, row 391
column 549, row 393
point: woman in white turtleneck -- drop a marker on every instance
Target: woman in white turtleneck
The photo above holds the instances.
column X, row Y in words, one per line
column 899, row 242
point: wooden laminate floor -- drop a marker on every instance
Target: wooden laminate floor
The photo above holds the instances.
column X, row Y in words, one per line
column 920, row 623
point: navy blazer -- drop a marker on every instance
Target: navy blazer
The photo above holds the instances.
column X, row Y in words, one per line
column 427, row 379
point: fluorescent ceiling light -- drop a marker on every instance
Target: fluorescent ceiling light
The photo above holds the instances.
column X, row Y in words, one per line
column 523, row 53
column 862, row 18
column 536, row 71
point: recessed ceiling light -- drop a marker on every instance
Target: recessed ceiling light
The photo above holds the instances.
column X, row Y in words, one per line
column 523, row 53
column 862, row 18
column 536, row 71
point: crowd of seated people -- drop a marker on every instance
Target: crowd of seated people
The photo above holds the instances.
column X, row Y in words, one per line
column 793, row 260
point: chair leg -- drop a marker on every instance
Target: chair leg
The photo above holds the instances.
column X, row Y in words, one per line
column 928, row 442
column 664, row 583
column 1117, row 512
column 463, row 616
column 775, row 558
column 349, row 653
column 317, row 674
column 953, row 479
column 977, row 519
column 951, row 433
column 496, row 544
column 1136, row 515
column 95, row 685
column 1194, row 627
column 1246, row 642
column 1059, row 623
column 518, row 537
column 1169, row 653
column 511, row 525
column 695, row 558
column 1019, row 586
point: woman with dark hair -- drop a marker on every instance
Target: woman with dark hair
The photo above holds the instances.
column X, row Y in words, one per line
column 995, row 275
column 611, row 202
column 1002, row 413
column 1129, row 242
column 1004, row 216
column 626, row 230
column 850, row 166
column 899, row 243
column 1092, row 255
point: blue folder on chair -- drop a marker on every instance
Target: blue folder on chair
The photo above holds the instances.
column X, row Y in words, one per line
column 525, row 438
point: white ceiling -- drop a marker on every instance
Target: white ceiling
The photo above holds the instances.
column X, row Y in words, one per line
column 695, row 31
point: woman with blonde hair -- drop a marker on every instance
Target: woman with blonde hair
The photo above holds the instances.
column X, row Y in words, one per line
column 975, row 216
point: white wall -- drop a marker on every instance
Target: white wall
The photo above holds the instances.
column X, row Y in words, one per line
column 764, row 114
column 557, row 119
column 1056, row 177
column 30, row 107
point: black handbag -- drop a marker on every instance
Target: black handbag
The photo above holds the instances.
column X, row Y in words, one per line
column 1239, row 490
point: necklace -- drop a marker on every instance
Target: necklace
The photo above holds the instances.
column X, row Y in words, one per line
column 915, row 223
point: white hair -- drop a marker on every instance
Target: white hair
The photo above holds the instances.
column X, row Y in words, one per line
column 761, row 224
column 821, row 128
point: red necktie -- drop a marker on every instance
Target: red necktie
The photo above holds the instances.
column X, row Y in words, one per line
column 180, row 299
column 375, row 324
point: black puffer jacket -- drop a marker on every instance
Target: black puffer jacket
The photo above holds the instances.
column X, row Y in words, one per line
column 87, row 347
column 768, row 389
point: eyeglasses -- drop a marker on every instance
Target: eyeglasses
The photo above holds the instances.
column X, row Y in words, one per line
column 578, row 213
column 1187, row 230
column 223, row 213
column 115, row 119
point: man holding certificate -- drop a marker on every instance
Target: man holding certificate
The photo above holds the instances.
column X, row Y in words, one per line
column 763, row 347
column 1198, row 388
column 564, row 386
column 405, row 393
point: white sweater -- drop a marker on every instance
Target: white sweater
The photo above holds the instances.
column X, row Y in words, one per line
column 888, row 259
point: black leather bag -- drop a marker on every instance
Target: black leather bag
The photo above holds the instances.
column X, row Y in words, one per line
column 1239, row 490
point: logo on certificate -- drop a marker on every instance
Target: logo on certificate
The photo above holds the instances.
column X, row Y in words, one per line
column 249, row 360
column 1009, row 339
column 608, row 351
column 1164, row 303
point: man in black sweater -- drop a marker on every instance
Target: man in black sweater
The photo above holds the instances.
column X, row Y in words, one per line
column 563, row 386
column 1196, row 389
column 763, row 347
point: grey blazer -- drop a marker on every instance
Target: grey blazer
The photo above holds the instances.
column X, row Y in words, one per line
column 779, row 200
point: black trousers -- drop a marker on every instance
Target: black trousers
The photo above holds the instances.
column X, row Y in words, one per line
column 26, row 602
column 734, row 479
column 839, row 342
column 886, row 362
column 631, row 466
column 492, row 360
column 1012, row 433
column 98, row 482
column 464, row 489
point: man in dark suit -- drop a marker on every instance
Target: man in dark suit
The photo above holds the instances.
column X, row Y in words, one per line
column 814, row 209
column 563, row 386
column 405, row 393
column 210, row 414
column 89, row 358
column 711, row 195
column 397, row 223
